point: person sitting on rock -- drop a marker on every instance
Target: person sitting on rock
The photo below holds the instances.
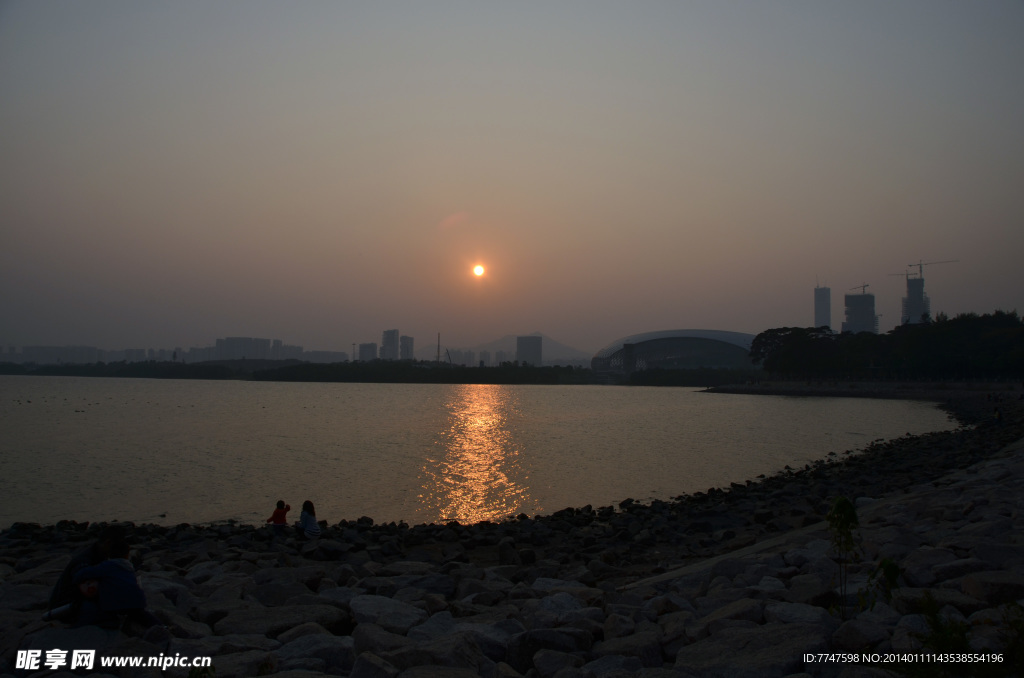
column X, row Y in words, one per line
column 279, row 519
column 307, row 526
column 66, row 599
column 111, row 591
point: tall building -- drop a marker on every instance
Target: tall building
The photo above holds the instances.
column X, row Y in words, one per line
column 860, row 314
column 823, row 307
column 405, row 348
column 368, row 352
column 528, row 351
column 917, row 308
column 389, row 345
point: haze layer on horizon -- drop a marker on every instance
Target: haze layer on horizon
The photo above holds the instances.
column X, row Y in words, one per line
column 319, row 172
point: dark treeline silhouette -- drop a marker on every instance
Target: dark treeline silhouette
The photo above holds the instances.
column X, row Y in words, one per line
column 409, row 372
column 148, row 369
column 968, row 346
column 707, row 376
column 383, row 371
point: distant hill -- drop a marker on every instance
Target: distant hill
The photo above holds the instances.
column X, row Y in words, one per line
column 552, row 350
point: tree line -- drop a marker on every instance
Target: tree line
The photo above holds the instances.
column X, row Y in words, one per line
column 967, row 346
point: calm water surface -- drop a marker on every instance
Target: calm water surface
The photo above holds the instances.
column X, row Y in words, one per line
column 196, row 451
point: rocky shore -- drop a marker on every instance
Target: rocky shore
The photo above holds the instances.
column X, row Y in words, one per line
column 735, row 581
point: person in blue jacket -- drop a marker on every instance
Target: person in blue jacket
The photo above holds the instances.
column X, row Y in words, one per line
column 66, row 599
column 111, row 591
column 307, row 526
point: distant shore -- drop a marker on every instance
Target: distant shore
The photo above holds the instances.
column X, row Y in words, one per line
column 974, row 393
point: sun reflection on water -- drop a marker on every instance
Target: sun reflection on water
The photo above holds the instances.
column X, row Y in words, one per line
column 475, row 472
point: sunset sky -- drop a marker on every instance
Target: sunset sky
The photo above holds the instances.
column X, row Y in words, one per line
column 321, row 171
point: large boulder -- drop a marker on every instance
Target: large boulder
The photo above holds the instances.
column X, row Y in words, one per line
column 391, row 615
column 337, row 652
column 523, row 646
column 994, row 587
column 271, row 621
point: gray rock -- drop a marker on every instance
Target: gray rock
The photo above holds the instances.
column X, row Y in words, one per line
column 74, row 638
column 337, row 652
column 811, row 589
column 452, row 651
column 369, row 665
column 406, row 567
column 999, row 555
column 429, row 671
column 204, row 571
column 437, row 625
column 858, row 635
column 645, row 646
column 880, row 614
column 792, row 613
column 340, row 595
column 560, row 604
column 307, row 629
column 908, row 633
column 769, row 650
column 180, row 625
column 995, row 587
column 304, row 664
column 550, row 662
column 392, row 615
column 24, row 596
column 522, row 646
column 617, row 626
column 719, row 625
column 612, row 666
column 744, row 608
column 958, row 568
column 275, row 620
column 277, row 593
column 908, row 600
column 919, row 566
column 811, row 551
column 769, row 585
column 244, row 664
column 373, row 638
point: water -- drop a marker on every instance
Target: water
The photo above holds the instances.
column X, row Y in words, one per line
column 198, row 451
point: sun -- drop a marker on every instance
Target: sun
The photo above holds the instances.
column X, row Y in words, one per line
column 478, row 270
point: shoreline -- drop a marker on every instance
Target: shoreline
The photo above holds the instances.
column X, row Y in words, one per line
column 420, row 496
column 940, row 391
column 964, row 406
column 612, row 579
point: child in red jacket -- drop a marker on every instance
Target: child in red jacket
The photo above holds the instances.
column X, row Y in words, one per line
column 279, row 519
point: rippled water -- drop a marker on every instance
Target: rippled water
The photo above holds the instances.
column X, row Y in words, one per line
column 196, row 451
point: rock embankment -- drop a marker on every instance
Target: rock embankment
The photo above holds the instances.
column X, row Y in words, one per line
column 737, row 581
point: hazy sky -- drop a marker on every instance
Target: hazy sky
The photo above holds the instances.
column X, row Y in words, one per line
column 321, row 171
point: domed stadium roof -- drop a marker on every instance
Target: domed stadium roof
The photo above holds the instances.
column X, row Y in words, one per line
column 675, row 349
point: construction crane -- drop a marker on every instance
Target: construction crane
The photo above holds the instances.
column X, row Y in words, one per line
column 862, row 288
column 921, row 264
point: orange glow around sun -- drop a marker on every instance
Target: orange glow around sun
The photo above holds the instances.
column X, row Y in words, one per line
column 478, row 270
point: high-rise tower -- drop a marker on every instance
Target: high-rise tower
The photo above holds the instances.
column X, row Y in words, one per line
column 389, row 345
column 405, row 348
column 860, row 313
column 917, row 308
column 823, row 307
